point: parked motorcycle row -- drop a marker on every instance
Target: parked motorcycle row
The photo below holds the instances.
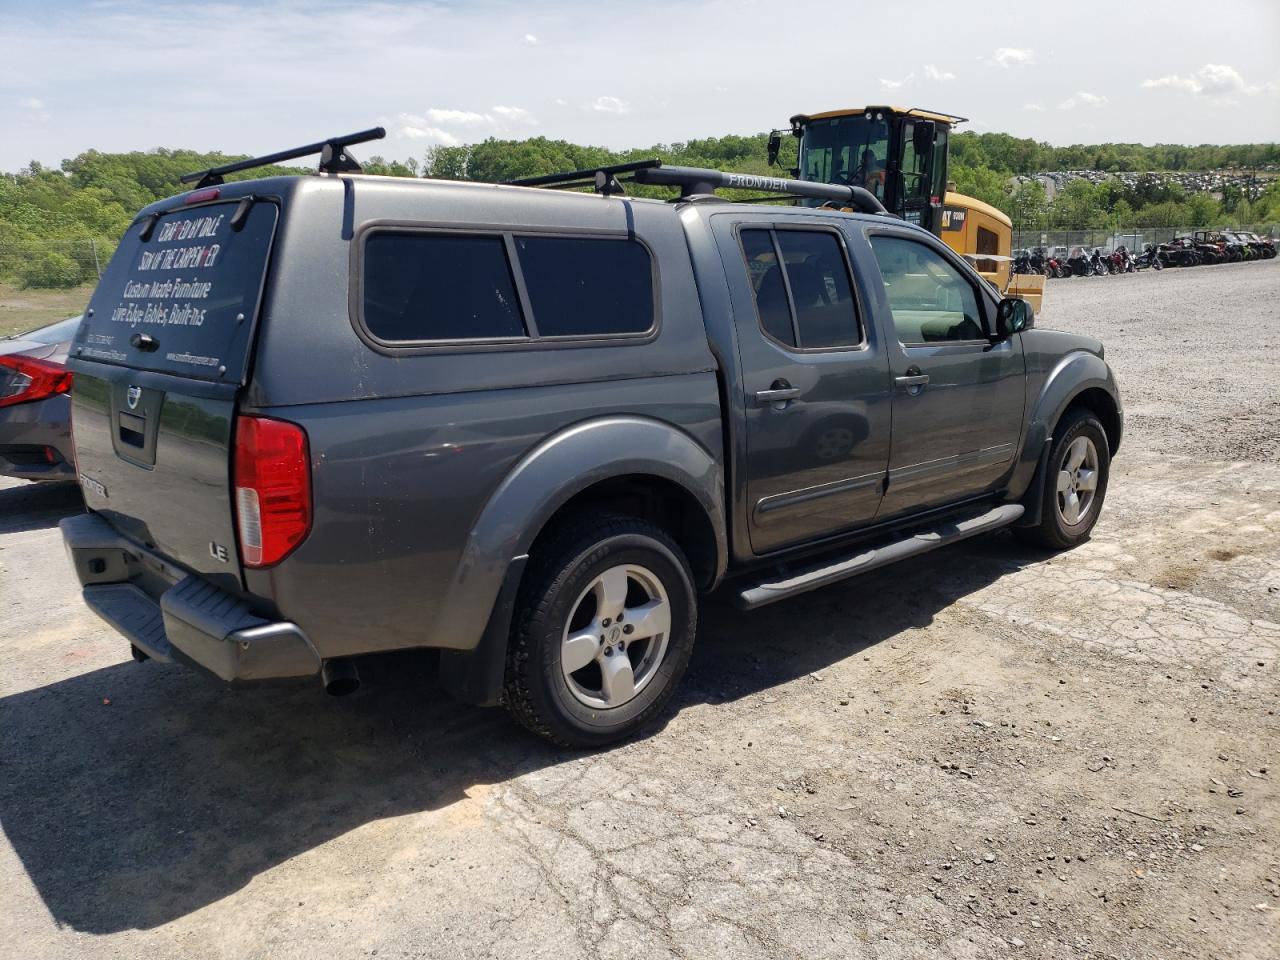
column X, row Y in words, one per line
column 1204, row 247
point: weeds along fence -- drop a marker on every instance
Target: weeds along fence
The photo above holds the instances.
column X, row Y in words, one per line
column 1108, row 238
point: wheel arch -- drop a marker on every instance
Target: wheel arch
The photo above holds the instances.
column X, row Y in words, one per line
column 1081, row 378
column 609, row 458
column 630, row 464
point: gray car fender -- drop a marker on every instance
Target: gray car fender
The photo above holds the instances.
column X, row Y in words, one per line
column 1073, row 374
column 548, row 476
column 478, row 601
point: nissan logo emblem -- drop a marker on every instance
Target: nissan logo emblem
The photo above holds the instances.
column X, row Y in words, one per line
column 133, row 396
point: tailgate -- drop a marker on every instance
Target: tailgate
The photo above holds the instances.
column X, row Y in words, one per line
column 159, row 361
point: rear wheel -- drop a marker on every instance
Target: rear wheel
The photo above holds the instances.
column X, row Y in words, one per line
column 1079, row 465
column 603, row 631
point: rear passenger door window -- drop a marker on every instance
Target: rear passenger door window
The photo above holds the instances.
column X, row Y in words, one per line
column 803, row 294
column 930, row 300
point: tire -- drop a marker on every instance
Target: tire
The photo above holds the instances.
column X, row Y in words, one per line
column 1078, row 430
column 570, row 576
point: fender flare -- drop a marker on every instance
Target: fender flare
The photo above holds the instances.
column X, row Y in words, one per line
column 1075, row 373
column 546, row 478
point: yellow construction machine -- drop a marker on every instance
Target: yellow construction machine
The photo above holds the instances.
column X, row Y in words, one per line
column 900, row 155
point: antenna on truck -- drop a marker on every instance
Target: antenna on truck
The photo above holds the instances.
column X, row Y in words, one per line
column 334, row 158
column 699, row 181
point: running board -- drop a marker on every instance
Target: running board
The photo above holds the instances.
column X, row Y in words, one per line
column 812, row 578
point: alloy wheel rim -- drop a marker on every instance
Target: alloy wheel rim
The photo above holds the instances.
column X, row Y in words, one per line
column 1077, row 484
column 616, row 636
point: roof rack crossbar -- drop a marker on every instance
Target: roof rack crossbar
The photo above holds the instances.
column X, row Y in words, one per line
column 334, row 158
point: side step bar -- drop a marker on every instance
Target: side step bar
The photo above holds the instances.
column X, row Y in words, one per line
column 812, row 578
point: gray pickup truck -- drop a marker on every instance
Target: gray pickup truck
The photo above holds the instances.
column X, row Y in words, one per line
column 320, row 417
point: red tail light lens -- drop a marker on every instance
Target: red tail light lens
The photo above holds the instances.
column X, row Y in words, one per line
column 273, row 489
column 23, row 379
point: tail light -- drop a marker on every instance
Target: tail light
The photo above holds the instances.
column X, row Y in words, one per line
column 273, row 489
column 23, row 379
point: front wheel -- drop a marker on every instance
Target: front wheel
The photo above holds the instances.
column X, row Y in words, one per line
column 603, row 631
column 1079, row 465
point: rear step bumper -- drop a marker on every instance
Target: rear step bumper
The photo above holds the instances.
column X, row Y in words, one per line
column 813, row 577
column 193, row 620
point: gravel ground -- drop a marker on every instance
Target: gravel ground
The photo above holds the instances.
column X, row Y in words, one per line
column 986, row 752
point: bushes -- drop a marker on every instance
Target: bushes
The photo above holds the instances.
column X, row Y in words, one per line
column 51, row 270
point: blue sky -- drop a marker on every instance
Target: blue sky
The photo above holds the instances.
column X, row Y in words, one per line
column 257, row 77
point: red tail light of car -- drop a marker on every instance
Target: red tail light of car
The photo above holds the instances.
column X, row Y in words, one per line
column 273, row 489
column 24, row 379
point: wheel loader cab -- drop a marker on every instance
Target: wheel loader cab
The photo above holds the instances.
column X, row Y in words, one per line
column 899, row 155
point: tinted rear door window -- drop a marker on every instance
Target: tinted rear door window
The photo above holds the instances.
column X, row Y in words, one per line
column 807, row 300
column 420, row 287
column 587, row 287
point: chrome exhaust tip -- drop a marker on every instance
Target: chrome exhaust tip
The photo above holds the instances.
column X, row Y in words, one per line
column 339, row 677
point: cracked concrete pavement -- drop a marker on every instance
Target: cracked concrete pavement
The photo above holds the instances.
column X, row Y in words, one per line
column 985, row 752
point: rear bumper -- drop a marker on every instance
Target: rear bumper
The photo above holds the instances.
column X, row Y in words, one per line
column 191, row 620
column 35, row 440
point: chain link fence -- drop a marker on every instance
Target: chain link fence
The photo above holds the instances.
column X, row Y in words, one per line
column 53, row 263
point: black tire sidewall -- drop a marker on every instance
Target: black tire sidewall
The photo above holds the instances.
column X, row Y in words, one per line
column 570, row 720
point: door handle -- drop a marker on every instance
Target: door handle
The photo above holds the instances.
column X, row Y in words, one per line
column 780, row 393
column 775, row 396
column 917, row 380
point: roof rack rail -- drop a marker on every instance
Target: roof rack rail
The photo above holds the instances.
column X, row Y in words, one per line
column 700, row 181
column 603, row 178
column 334, row 158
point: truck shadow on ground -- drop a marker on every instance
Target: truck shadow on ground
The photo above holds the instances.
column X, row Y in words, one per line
column 37, row 506
column 137, row 794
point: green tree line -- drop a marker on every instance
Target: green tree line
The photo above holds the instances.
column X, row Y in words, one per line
column 58, row 225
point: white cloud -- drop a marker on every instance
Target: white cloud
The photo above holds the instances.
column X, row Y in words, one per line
column 1217, row 81
column 450, row 127
column 31, row 103
column 515, row 115
column 462, row 118
column 896, row 84
column 610, row 105
column 430, row 134
column 529, row 40
column 1083, row 98
column 1033, row 107
column 933, row 73
column 1012, row 57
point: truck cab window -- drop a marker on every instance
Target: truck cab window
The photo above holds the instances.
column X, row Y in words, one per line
column 806, row 300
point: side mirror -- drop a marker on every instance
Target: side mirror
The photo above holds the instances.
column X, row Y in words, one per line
column 775, row 145
column 1013, row 316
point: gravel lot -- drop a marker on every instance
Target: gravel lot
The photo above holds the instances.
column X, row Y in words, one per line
column 988, row 752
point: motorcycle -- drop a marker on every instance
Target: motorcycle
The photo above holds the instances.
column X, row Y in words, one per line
column 1079, row 262
column 1037, row 261
column 1121, row 260
column 1022, row 262
column 1053, row 267
column 1098, row 264
column 1148, row 258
